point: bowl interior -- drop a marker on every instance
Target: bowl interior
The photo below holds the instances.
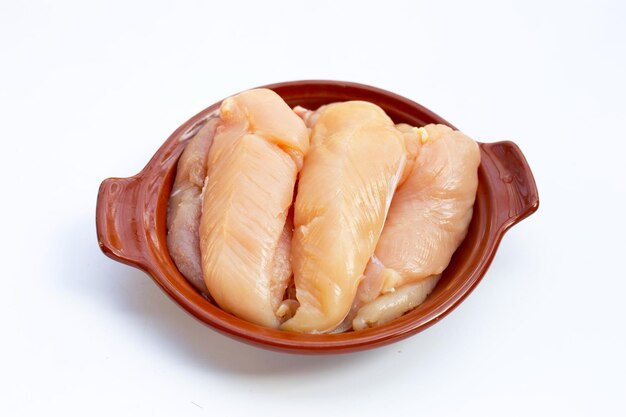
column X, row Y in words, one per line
column 463, row 273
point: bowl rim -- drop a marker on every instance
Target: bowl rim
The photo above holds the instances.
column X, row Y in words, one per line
column 130, row 225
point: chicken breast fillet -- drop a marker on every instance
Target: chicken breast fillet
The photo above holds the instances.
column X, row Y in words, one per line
column 375, row 274
column 431, row 211
column 392, row 305
column 185, row 206
column 244, row 235
column 428, row 219
column 350, row 173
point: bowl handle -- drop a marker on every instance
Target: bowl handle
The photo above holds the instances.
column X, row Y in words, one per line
column 119, row 220
column 515, row 189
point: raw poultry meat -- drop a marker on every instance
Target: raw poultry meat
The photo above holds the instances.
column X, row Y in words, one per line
column 380, row 210
column 350, row 173
column 431, row 211
column 392, row 305
column 375, row 274
column 185, row 206
column 244, row 233
column 428, row 219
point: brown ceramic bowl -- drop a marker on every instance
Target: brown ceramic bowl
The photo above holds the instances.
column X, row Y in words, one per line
column 131, row 216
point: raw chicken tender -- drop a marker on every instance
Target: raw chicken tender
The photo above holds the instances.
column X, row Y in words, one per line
column 375, row 274
column 350, row 173
column 431, row 211
column 392, row 305
column 244, row 234
column 185, row 206
column 428, row 219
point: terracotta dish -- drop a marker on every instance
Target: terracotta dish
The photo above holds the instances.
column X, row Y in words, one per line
column 131, row 216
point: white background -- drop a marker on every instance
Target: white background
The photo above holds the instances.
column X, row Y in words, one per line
column 90, row 90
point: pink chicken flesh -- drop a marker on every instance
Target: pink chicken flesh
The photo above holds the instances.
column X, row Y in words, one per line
column 380, row 210
column 244, row 231
column 344, row 192
column 431, row 211
column 185, row 206
column 428, row 219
